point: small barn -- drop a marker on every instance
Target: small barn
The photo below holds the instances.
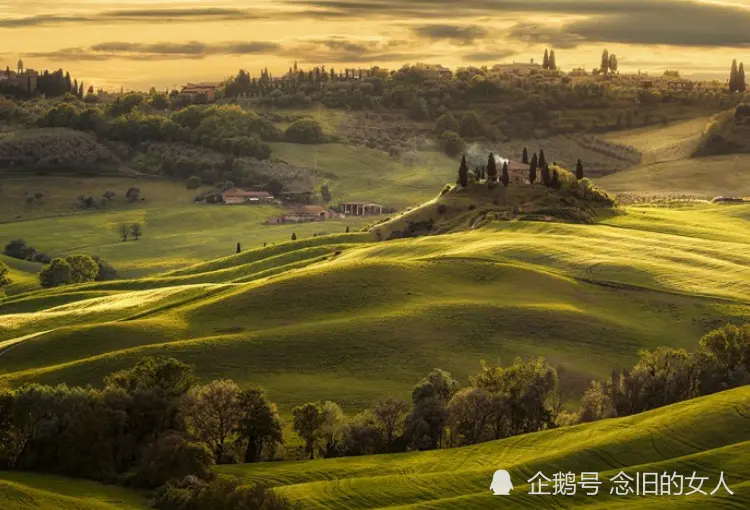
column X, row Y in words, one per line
column 235, row 196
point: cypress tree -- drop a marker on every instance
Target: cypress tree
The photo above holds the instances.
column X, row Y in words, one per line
column 505, row 177
column 733, row 75
column 532, row 169
column 552, row 61
column 542, row 161
column 478, row 173
column 239, row 249
column 741, row 85
column 579, row 170
column 347, row 229
column 525, row 157
column 294, row 236
column 605, row 61
column 491, row 168
column 555, row 180
column 545, row 62
column 463, row 173
column 545, row 175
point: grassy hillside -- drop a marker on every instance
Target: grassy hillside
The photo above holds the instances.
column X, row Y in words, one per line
column 349, row 319
column 32, row 491
column 362, row 174
column 707, row 435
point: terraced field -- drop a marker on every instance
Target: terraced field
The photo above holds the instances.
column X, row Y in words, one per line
column 709, row 435
column 346, row 318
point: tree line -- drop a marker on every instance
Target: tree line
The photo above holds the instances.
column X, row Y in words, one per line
column 550, row 177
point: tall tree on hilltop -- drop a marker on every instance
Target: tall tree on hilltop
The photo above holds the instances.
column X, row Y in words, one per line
column 491, row 168
column 545, row 62
column 605, row 61
column 505, row 179
column 733, row 75
column 545, row 175
column 552, row 64
column 463, row 173
column 525, row 157
column 239, row 248
column 579, row 170
column 80, row 90
column 68, row 82
column 532, row 169
column 741, row 85
column 542, row 160
column 74, row 90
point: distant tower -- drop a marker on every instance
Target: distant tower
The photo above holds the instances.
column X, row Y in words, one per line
column 20, row 66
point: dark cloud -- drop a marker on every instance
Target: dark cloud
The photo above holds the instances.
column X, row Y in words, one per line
column 489, row 55
column 535, row 33
column 669, row 22
column 158, row 51
column 466, row 34
column 141, row 15
column 340, row 49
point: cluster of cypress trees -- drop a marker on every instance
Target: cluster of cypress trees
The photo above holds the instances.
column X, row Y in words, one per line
column 737, row 77
column 549, row 177
column 549, row 61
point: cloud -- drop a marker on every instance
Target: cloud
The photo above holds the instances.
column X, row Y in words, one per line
column 489, row 55
column 163, row 50
column 141, row 15
column 341, row 49
column 457, row 34
column 533, row 34
column 668, row 22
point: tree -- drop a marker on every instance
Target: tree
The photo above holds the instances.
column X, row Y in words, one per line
column 259, row 423
column 193, row 182
column 463, row 173
column 552, row 64
column 505, row 178
column 133, row 194
column 124, row 230
column 18, row 249
column 491, row 168
column 106, row 272
column 325, row 193
column 555, row 179
column 733, row 77
column 136, row 230
column 171, row 458
column 82, row 268
column 305, row 131
column 470, row 411
column 308, row 421
column 347, row 229
column 471, row 126
column 579, row 170
column 532, row 169
column 542, row 161
column 525, row 157
column 57, row 273
column 452, row 143
column 213, row 414
column 332, row 427
column 545, row 61
column 605, row 62
column 294, row 236
column 239, row 248
column 4, row 278
column 417, row 109
column 427, row 421
column 613, row 63
column 390, row 413
column 546, row 177
column 741, row 85
column 447, row 122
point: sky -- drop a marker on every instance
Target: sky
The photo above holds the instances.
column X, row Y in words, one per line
column 136, row 44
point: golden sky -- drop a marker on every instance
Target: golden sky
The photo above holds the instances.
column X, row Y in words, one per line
column 137, row 44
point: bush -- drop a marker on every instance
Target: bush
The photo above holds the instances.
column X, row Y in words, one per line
column 220, row 494
column 452, row 143
column 193, row 182
column 305, row 131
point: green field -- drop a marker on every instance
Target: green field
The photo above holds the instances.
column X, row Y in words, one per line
column 308, row 323
column 707, row 435
column 32, row 491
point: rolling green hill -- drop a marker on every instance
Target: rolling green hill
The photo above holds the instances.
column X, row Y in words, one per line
column 32, row 491
column 347, row 318
column 707, row 435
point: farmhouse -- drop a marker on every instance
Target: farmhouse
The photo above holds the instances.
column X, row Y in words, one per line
column 239, row 196
column 362, row 208
column 196, row 89
column 305, row 214
column 26, row 79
